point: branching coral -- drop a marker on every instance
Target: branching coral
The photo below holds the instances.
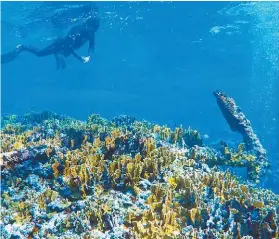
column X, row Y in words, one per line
column 126, row 179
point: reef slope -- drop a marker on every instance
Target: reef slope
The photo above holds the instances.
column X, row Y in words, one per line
column 123, row 178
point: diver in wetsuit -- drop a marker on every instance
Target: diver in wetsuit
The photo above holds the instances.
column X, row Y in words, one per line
column 63, row 47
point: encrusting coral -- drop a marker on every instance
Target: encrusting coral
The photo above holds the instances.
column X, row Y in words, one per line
column 63, row 178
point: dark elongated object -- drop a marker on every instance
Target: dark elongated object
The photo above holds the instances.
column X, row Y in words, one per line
column 239, row 123
column 8, row 57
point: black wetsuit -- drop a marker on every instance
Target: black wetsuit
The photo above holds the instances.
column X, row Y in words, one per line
column 63, row 47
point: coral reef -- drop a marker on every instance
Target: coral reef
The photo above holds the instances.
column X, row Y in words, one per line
column 64, row 178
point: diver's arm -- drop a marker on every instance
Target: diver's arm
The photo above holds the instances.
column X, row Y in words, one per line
column 86, row 59
column 77, row 56
column 83, row 59
column 91, row 47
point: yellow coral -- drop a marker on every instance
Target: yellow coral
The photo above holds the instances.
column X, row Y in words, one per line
column 226, row 150
column 150, row 146
column 172, row 182
column 21, row 206
column 244, row 188
column 97, row 142
column 116, row 133
column 192, row 214
column 85, row 138
column 177, row 134
column 67, row 169
column 109, row 142
column 72, row 143
column 55, row 168
column 156, row 128
column 258, row 204
column 18, row 145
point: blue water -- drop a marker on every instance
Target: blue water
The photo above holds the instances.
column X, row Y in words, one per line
column 158, row 61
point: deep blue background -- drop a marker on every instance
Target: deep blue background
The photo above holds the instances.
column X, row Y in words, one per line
column 155, row 61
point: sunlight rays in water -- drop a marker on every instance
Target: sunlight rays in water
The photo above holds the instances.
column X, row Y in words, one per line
column 261, row 19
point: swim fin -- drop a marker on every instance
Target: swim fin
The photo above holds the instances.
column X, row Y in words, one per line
column 8, row 57
column 60, row 61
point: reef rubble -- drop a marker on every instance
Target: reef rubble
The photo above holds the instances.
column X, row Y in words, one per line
column 124, row 178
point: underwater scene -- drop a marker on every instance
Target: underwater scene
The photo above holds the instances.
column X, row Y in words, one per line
column 139, row 120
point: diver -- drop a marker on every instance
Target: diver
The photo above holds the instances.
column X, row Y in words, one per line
column 63, row 47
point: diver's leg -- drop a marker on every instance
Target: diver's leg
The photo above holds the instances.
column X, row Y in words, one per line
column 49, row 50
column 57, row 61
column 60, row 62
